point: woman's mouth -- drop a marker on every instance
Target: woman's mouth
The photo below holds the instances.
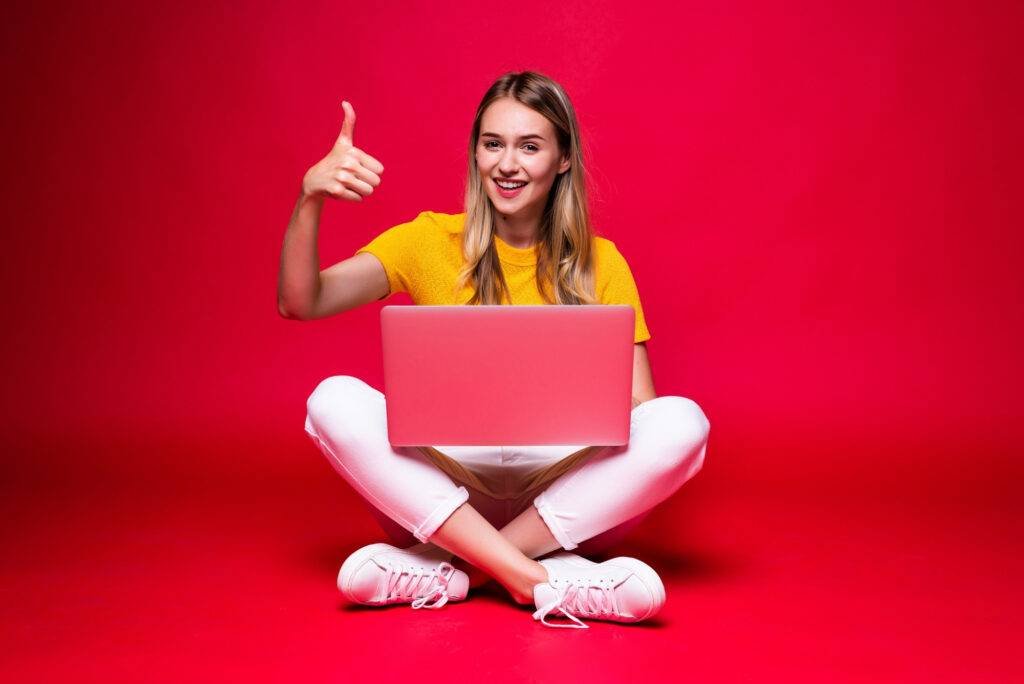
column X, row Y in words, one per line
column 509, row 189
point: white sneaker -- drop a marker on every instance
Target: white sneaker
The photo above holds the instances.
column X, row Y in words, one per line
column 382, row 574
column 620, row 589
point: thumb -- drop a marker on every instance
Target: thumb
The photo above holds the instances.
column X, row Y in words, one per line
column 348, row 126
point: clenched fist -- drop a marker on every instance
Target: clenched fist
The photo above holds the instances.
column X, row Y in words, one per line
column 346, row 172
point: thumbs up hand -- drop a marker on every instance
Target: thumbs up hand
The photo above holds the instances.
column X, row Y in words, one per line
column 346, row 172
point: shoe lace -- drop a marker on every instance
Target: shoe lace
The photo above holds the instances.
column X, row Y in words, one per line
column 419, row 584
column 595, row 598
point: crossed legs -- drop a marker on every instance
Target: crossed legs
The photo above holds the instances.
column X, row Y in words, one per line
column 507, row 556
column 668, row 435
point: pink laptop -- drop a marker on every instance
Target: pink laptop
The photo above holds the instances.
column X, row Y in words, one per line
column 508, row 375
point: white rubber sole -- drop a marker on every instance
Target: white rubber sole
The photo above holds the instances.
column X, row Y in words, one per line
column 642, row 570
column 358, row 557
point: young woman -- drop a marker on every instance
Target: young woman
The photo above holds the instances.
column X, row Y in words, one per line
column 479, row 513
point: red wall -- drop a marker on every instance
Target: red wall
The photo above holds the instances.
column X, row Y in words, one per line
column 815, row 200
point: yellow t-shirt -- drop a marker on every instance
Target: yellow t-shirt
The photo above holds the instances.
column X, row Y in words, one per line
column 423, row 257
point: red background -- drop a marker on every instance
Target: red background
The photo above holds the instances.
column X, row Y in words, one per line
column 815, row 200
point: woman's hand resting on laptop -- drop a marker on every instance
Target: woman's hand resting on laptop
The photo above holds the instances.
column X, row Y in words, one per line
column 346, row 172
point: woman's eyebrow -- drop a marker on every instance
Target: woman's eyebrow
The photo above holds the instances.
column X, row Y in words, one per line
column 522, row 137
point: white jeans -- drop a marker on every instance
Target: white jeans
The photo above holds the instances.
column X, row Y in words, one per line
column 602, row 496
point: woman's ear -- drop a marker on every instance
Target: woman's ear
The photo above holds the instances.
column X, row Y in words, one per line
column 564, row 165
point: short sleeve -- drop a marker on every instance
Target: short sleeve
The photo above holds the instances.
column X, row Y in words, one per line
column 397, row 249
column 621, row 289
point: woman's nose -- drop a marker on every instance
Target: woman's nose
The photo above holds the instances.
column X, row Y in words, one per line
column 507, row 164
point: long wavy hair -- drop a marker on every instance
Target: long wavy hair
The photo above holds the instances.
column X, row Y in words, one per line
column 565, row 273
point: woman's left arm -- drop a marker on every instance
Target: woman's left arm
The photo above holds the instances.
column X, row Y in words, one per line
column 643, row 383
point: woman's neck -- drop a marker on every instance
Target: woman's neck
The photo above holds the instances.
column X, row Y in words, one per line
column 518, row 232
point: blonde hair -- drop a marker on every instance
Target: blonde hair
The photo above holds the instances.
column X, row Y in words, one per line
column 565, row 273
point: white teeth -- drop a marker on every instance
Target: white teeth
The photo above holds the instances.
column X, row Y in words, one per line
column 510, row 186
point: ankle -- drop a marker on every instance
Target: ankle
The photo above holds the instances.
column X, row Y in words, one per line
column 477, row 577
column 522, row 587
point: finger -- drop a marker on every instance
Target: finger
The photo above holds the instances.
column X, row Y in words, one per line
column 366, row 174
column 348, row 126
column 349, row 195
column 353, row 183
column 368, row 161
column 339, row 191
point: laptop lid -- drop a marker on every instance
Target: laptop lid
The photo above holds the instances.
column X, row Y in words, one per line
column 497, row 375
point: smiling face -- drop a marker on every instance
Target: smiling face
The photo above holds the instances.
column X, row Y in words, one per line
column 518, row 145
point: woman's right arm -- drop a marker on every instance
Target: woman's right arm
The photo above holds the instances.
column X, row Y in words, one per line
column 303, row 292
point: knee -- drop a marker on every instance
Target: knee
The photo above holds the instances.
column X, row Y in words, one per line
column 679, row 420
column 693, row 426
column 683, row 428
column 331, row 395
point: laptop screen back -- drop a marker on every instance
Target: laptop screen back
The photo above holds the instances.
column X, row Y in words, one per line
column 498, row 375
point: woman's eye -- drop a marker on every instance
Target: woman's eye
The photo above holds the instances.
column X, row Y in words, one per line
column 529, row 146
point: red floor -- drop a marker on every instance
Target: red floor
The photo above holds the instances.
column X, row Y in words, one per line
column 184, row 568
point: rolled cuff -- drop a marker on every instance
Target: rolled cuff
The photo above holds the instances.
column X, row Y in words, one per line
column 551, row 520
column 440, row 514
